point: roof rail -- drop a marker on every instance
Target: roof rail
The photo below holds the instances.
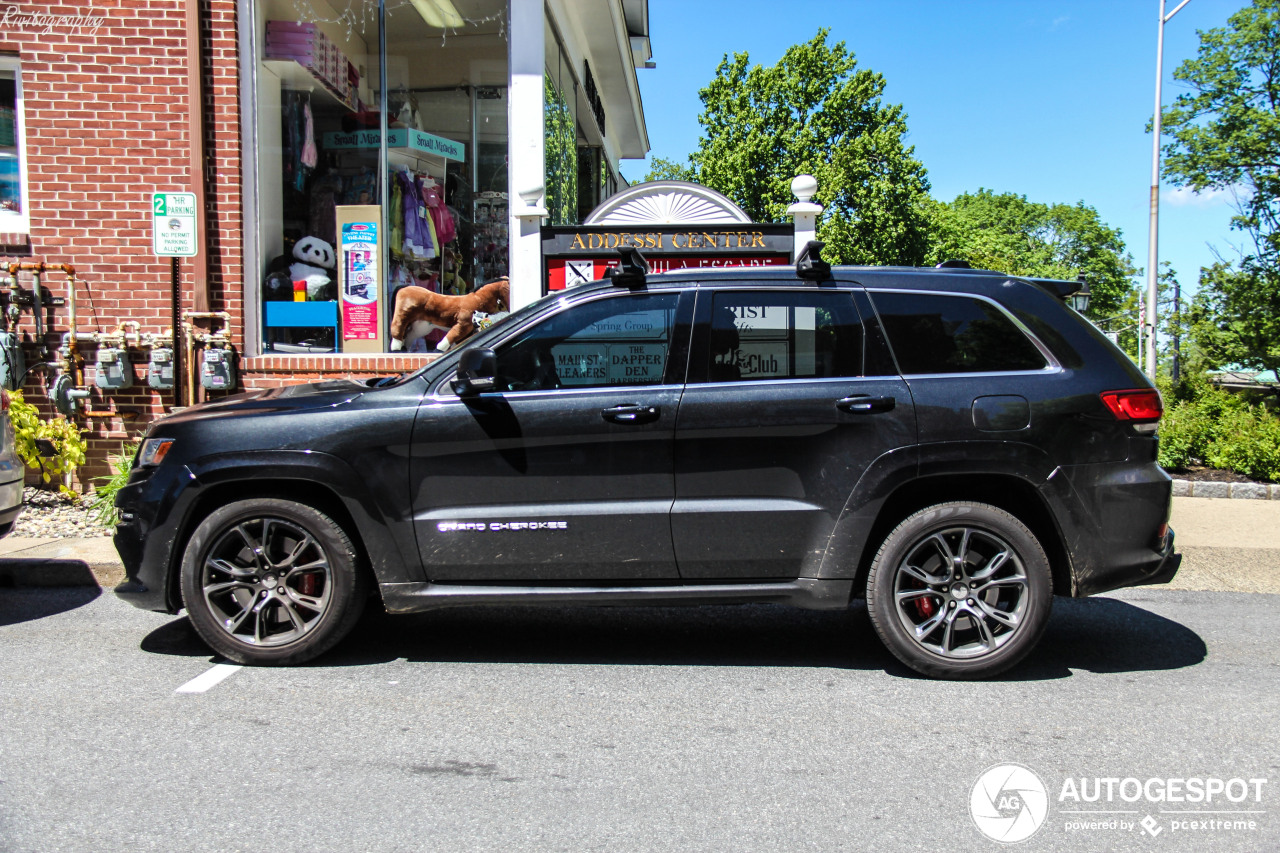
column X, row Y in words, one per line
column 632, row 268
column 954, row 264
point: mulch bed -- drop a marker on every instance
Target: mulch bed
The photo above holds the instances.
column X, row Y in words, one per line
column 1201, row 474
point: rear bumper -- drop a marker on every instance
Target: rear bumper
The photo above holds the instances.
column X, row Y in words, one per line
column 1170, row 562
column 1160, row 567
column 10, row 505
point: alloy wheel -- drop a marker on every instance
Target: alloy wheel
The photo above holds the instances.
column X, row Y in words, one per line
column 267, row 581
column 961, row 592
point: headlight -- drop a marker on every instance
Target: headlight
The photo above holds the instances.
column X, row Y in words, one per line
column 153, row 451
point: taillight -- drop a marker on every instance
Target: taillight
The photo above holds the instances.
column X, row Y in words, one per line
column 1140, row 405
column 4, row 399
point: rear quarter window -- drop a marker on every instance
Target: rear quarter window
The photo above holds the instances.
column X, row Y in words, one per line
column 940, row 333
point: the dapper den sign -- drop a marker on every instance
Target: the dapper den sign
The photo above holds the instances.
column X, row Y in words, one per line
column 40, row 22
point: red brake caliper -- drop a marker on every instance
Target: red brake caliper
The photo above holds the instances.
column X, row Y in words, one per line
column 925, row 606
column 307, row 584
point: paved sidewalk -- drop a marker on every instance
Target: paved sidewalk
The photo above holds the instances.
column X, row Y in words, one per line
column 1227, row 545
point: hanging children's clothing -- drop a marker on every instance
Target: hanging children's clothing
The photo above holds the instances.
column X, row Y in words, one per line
column 309, row 154
column 442, row 220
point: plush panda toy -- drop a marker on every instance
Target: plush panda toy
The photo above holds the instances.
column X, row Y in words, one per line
column 315, row 261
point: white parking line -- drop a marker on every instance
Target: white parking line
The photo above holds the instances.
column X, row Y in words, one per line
column 209, row 678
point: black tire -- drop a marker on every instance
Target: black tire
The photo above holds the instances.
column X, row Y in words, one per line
column 983, row 614
column 271, row 582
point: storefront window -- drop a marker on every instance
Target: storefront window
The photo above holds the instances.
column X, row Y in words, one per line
column 560, row 124
column 561, row 157
column 339, row 234
column 14, row 216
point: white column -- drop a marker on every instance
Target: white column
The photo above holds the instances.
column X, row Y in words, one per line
column 804, row 212
column 526, row 143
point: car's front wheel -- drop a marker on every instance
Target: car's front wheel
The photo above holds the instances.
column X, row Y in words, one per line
column 960, row 590
column 271, row 581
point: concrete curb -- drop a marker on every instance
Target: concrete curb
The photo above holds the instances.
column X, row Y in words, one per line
column 38, row 562
column 1244, row 491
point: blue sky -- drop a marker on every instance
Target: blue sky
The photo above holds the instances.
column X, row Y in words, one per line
column 1048, row 100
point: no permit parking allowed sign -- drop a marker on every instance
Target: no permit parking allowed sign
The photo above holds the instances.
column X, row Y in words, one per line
column 173, row 224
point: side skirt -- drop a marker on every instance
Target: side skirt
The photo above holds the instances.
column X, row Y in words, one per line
column 805, row 593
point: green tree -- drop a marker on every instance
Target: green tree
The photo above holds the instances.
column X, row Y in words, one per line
column 1235, row 318
column 1009, row 234
column 815, row 112
column 1226, row 130
column 662, row 169
column 1226, row 135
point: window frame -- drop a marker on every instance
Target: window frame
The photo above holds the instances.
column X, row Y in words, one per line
column 19, row 223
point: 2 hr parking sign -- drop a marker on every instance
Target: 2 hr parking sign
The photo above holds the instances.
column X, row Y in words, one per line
column 173, row 224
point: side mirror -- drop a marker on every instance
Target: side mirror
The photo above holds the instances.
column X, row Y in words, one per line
column 476, row 371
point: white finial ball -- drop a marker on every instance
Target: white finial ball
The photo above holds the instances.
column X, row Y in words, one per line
column 530, row 195
column 804, row 187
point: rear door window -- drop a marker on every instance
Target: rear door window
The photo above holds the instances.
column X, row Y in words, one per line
column 934, row 333
column 765, row 334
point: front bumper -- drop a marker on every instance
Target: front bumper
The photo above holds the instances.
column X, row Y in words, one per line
column 150, row 515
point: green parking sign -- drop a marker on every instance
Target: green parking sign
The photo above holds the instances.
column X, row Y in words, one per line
column 173, row 224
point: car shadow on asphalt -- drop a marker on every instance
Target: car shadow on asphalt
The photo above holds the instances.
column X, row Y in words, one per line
column 1098, row 635
column 26, row 604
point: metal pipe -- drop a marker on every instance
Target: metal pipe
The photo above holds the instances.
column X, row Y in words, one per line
column 196, row 153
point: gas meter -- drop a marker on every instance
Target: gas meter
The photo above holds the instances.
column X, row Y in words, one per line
column 13, row 364
column 114, row 370
column 217, row 369
column 160, row 369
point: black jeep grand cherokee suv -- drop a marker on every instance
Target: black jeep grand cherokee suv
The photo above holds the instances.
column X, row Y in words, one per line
column 956, row 445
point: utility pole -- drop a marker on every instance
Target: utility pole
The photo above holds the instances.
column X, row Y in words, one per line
column 1153, row 255
column 1177, row 331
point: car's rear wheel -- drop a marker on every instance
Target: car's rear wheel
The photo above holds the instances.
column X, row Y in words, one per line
column 960, row 590
column 271, row 581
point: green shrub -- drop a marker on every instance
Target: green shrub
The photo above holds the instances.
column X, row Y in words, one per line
column 1248, row 441
column 67, row 439
column 1185, row 432
column 1221, row 430
column 104, row 496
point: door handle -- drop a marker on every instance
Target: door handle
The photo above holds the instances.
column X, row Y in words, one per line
column 631, row 414
column 861, row 404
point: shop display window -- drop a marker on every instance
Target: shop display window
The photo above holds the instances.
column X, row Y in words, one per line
column 14, row 215
column 339, row 232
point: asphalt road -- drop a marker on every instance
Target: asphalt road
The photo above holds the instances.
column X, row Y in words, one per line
column 744, row 729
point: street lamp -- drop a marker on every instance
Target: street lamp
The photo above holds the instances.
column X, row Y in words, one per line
column 1080, row 299
column 1153, row 255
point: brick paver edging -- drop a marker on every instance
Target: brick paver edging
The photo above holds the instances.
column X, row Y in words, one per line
column 1248, row 491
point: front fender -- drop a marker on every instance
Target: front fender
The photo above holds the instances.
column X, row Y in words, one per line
column 379, row 514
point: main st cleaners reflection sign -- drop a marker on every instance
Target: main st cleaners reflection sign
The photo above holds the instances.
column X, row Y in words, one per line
column 630, row 349
column 579, row 254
